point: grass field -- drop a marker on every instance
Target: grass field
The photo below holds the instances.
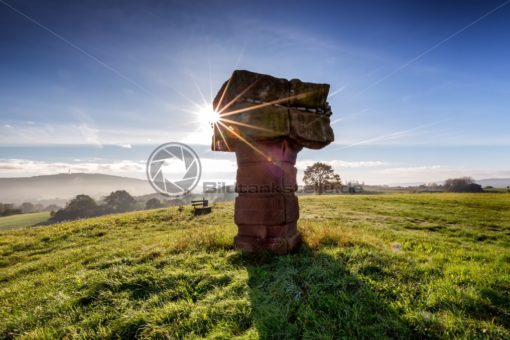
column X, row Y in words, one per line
column 377, row 266
column 23, row 220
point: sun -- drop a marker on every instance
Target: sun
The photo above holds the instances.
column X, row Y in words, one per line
column 207, row 115
column 204, row 119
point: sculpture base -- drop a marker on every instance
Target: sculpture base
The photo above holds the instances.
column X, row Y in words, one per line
column 267, row 210
column 279, row 239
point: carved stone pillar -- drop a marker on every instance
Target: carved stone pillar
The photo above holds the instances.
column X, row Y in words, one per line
column 266, row 121
column 267, row 210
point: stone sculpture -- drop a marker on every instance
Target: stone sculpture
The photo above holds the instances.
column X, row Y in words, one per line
column 266, row 121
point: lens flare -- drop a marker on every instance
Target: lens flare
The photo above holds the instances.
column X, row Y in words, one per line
column 207, row 115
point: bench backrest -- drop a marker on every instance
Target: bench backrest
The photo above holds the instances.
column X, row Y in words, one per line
column 203, row 203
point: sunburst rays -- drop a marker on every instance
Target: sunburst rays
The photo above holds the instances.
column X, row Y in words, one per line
column 225, row 127
column 262, row 105
column 245, row 141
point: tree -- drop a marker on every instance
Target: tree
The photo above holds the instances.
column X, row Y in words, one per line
column 463, row 184
column 27, row 207
column 79, row 207
column 153, row 203
column 51, row 207
column 8, row 209
column 320, row 176
column 119, row 201
column 336, row 183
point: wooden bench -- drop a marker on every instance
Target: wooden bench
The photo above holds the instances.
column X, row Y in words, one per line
column 201, row 207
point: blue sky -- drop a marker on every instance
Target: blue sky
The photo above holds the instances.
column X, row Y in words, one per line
column 420, row 90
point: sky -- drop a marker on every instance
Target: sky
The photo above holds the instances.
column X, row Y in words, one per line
column 420, row 90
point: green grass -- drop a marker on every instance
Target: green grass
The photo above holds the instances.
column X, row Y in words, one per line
column 399, row 266
column 23, row 220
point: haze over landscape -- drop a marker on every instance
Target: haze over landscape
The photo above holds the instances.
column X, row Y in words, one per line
column 94, row 88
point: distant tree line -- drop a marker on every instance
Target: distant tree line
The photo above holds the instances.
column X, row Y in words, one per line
column 463, row 184
column 460, row 185
column 7, row 209
column 83, row 206
column 321, row 178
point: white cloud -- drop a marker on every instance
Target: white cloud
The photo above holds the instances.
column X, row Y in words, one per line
column 91, row 135
column 24, row 167
column 427, row 173
column 202, row 136
column 211, row 165
column 402, row 135
column 84, row 133
column 348, row 170
column 337, row 91
column 211, row 168
column 341, row 164
column 28, row 133
column 379, row 172
column 416, row 169
column 224, row 170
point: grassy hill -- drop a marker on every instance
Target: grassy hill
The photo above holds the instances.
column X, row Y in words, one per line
column 431, row 265
column 23, row 220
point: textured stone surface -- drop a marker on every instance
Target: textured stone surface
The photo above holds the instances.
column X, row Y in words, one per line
column 277, row 150
column 313, row 95
column 280, row 239
column 271, row 209
column 279, row 177
column 266, row 210
column 266, row 121
column 258, row 121
column 310, row 130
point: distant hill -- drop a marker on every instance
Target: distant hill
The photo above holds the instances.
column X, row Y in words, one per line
column 494, row 182
column 64, row 186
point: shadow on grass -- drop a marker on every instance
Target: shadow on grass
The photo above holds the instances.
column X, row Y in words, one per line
column 311, row 294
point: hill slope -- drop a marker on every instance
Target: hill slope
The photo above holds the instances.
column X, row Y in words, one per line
column 65, row 186
column 372, row 266
column 23, row 220
column 495, row 182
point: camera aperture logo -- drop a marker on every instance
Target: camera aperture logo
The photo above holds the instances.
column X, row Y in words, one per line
column 173, row 169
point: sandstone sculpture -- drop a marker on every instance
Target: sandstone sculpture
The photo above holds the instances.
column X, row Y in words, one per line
column 266, row 121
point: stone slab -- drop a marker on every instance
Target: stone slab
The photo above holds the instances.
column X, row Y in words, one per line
column 310, row 130
column 266, row 209
column 266, row 177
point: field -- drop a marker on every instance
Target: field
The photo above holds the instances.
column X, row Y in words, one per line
column 375, row 266
column 23, row 220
